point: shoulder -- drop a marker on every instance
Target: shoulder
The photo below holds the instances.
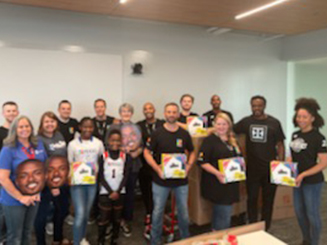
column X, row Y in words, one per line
column 141, row 123
column 73, row 121
column 273, row 119
column 97, row 141
column 207, row 113
column 110, row 119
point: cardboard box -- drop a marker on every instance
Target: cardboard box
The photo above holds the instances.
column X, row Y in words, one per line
column 283, row 212
column 284, row 196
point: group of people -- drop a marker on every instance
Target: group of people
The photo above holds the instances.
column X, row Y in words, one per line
column 94, row 164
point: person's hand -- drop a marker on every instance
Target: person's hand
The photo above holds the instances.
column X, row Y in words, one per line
column 299, row 179
column 160, row 173
column 55, row 192
column 27, row 200
column 221, row 177
column 114, row 195
column 187, row 168
column 37, row 197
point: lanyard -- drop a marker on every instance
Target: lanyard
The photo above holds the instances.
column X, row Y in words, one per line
column 29, row 155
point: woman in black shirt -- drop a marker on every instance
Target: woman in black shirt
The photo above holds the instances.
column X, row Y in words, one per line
column 308, row 148
column 219, row 145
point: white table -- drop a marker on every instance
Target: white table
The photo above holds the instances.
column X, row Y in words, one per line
column 258, row 238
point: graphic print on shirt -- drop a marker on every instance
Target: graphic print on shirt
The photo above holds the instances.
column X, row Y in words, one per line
column 298, row 144
column 258, row 133
column 113, row 171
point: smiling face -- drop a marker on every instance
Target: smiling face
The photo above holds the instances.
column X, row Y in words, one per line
column 186, row 103
column 215, row 102
column 100, row 108
column 148, row 111
column 304, row 120
column 57, row 172
column 125, row 114
column 221, row 127
column 258, row 107
column 24, row 129
column 30, row 177
column 65, row 110
column 171, row 113
column 49, row 125
column 114, row 142
column 10, row 112
column 131, row 137
column 87, row 128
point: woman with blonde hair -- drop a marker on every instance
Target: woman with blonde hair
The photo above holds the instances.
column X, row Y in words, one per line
column 219, row 145
column 19, row 209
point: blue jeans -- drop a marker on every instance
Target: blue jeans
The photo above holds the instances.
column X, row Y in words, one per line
column 19, row 221
column 307, row 200
column 160, row 195
column 82, row 197
column 221, row 217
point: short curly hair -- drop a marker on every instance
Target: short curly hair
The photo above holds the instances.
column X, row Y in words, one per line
column 311, row 106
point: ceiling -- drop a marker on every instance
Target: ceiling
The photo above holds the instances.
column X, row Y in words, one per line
column 290, row 18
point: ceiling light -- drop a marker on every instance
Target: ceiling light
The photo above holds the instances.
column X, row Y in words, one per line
column 122, row 1
column 74, row 49
column 256, row 10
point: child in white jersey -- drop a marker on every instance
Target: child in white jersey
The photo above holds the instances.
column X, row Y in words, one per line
column 114, row 166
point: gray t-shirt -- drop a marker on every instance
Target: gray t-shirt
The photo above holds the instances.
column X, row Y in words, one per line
column 55, row 145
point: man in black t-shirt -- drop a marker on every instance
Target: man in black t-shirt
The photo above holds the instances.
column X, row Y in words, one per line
column 264, row 143
column 148, row 126
column 101, row 121
column 67, row 126
column 169, row 139
column 216, row 103
column 10, row 112
column 186, row 103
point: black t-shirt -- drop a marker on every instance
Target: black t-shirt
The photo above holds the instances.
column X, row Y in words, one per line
column 68, row 129
column 305, row 148
column 262, row 137
column 183, row 119
column 101, row 127
column 164, row 141
column 3, row 135
column 211, row 116
column 147, row 130
column 213, row 149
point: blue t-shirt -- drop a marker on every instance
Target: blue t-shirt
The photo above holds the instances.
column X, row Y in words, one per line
column 10, row 158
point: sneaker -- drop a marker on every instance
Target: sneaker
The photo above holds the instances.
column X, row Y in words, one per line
column 49, row 229
column 91, row 221
column 126, row 229
column 147, row 232
column 109, row 232
column 84, row 242
column 70, row 220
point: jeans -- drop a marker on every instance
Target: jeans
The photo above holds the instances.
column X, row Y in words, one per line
column 160, row 196
column 307, row 200
column 61, row 205
column 221, row 217
column 19, row 221
column 268, row 197
column 82, row 197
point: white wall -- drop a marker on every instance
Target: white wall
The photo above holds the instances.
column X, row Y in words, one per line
column 177, row 58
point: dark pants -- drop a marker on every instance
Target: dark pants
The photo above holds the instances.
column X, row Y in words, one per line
column 145, row 179
column 61, row 206
column 128, row 208
column 268, row 196
column 109, row 213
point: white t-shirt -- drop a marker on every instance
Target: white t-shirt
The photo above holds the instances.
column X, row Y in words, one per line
column 83, row 156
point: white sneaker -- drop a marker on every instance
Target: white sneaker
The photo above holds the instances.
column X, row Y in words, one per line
column 49, row 229
column 70, row 219
column 84, row 242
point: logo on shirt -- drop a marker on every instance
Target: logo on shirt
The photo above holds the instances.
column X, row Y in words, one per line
column 37, row 152
column 179, row 142
column 71, row 130
column 258, row 133
column 298, row 144
column 200, row 157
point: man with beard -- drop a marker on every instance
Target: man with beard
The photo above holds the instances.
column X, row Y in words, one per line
column 101, row 121
column 186, row 103
column 169, row 139
column 148, row 126
column 57, row 171
column 9, row 112
column 216, row 103
column 264, row 143
column 30, row 177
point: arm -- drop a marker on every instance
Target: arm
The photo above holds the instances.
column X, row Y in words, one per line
column 127, row 169
column 210, row 169
column 150, row 160
column 320, row 166
column 102, row 180
column 182, row 125
column 280, row 150
column 191, row 161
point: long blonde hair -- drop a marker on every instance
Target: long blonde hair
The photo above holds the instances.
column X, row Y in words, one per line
column 12, row 138
column 230, row 134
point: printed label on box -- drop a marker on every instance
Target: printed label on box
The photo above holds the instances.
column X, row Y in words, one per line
column 283, row 173
column 173, row 166
column 83, row 173
column 233, row 168
column 197, row 126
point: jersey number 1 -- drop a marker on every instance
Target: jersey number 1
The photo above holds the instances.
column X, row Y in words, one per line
column 114, row 173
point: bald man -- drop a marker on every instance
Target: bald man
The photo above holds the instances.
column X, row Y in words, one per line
column 148, row 126
column 215, row 103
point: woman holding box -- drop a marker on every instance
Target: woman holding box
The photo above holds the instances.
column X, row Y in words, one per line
column 308, row 148
column 219, row 145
